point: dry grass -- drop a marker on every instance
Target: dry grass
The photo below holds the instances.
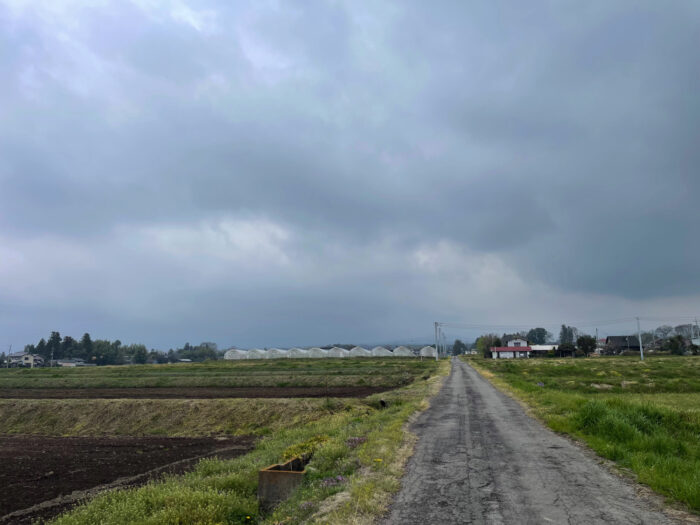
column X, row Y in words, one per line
column 170, row 417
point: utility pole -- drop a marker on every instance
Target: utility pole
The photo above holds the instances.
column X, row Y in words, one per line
column 436, row 340
column 639, row 334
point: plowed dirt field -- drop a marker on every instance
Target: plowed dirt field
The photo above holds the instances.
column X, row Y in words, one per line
column 43, row 476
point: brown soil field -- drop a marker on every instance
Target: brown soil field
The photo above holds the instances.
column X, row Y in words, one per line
column 188, row 393
column 44, row 476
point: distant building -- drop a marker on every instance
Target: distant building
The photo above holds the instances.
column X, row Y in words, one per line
column 70, row 362
column 24, row 359
column 621, row 343
column 510, row 352
column 517, row 342
column 540, row 350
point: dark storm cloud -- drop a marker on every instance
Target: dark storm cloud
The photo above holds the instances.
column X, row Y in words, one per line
column 558, row 138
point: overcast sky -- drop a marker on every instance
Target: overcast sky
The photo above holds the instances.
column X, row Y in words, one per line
column 294, row 173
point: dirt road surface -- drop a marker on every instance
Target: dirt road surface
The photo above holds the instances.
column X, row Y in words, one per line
column 481, row 459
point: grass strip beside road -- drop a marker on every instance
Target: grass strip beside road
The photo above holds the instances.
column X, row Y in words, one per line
column 654, row 435
column 356, row 467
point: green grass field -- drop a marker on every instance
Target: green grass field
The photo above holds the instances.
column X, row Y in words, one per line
column 645, row 416
column 385, row 372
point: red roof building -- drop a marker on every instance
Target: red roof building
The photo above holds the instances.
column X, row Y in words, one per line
column 510, row 352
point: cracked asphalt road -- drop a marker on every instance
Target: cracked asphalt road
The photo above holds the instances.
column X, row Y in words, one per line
column 481, row 459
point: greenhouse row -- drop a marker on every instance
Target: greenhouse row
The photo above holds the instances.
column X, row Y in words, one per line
column 315, row 353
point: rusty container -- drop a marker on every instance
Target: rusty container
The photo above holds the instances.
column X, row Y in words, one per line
column 277, row 482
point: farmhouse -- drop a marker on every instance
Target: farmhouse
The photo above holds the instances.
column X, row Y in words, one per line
column 516, row 348
column 25, row 359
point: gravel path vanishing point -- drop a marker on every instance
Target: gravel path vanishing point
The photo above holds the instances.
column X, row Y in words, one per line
column 481, row 459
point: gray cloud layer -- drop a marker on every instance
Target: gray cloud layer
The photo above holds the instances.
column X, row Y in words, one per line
column 278, row 174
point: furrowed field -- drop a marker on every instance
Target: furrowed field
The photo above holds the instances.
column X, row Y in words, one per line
column 383, row 372
column 644, row 415
column 358, row 445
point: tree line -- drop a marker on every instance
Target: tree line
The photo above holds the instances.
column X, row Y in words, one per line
column 105, row 352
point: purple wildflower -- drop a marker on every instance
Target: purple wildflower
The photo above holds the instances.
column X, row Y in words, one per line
column 355, row 441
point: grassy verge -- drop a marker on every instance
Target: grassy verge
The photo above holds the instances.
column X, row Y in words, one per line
column 654, row 435
column 356, row 467
column 387, row 372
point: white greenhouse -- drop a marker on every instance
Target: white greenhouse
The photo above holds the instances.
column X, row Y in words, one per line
column 256, row 353
column 338, row 352
column 427, row 351
column 317, row 352
column 380, row 351
column 402, row 351
column 297, row 353
column 234, row 353
column 358, row 351
column 276, row 353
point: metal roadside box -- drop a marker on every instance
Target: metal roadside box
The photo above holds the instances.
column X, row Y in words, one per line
column 277, row 482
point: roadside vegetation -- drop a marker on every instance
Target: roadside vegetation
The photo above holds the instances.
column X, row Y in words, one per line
column 383, row 372
column 359, row 450
column 644, row 415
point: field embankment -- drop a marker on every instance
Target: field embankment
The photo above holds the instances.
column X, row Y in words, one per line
column 159, row 417
column 642, row 415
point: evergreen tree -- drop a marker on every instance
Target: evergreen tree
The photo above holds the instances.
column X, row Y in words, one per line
column 41, row 349
column 69, row 347
column 53, row 347
column 86, row 347
column 458, row 347
column 139, row 354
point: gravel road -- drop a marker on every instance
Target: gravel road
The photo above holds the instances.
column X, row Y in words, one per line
column 481, row 459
